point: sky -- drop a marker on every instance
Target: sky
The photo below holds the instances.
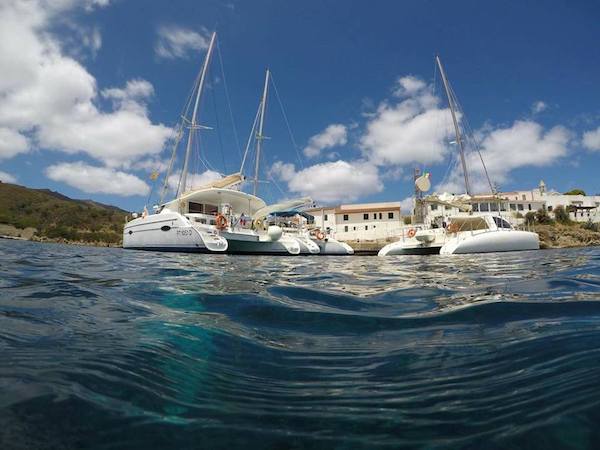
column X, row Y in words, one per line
column 91, row 92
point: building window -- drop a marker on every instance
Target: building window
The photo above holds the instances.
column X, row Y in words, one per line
column 549, row 208
column 345, row 228
column 365, row 216
column 484, row 207
column 529, row 206
column 520, row 206
column 524, row 197
column 374, row 216
column 325, row 216
column 390, row 215
column 345, row 216
column 434, row 207
column 513, row 207
column 353, row 228
column 366, row 227
column 380, row 216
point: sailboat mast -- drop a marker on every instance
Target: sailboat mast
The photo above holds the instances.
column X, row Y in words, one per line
column 193, row 124
column 259, row 136
column 459, row 140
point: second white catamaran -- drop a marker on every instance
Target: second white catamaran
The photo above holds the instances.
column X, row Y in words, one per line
column 218, row 217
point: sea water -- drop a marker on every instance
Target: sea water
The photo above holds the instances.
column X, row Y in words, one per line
column 105, row 348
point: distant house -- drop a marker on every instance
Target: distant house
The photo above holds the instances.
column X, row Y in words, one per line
column 581, row 208
column 365, row 221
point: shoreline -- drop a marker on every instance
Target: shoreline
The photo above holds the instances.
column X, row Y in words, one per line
column 552, row 236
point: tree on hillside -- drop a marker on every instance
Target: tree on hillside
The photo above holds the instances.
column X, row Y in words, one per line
column 541, row 216
column 561, row 215
column 530, row 218
column 575, row 192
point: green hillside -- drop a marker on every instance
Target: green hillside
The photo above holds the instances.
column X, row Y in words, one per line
column 56, row 216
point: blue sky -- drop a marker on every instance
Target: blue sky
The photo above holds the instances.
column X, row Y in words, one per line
column 90, row 97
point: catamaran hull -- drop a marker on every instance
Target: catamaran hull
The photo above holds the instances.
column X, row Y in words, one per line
column 410, row 248
column 330, row 246
column 170, row 232
column 492, row 241
column 262, row 247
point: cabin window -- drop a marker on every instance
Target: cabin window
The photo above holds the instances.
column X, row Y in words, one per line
column 345, row 228
column 390, row 215
column 493, row 206
column 502, row 206
column 520, row 206
column 476, row 207
column 365, row 216
column 345, row 216
column 501, row 223
column 513, row 207
column 201, row 208
column 484, row 207
column 165, row 228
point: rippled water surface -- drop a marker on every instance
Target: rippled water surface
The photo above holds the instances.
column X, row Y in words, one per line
column 105, row 348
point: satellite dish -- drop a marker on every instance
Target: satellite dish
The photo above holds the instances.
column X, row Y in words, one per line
column 422, row 183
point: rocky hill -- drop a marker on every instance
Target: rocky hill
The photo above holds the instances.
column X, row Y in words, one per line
column 41, row 214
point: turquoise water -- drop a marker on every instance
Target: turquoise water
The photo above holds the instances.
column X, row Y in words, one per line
column 105, row 348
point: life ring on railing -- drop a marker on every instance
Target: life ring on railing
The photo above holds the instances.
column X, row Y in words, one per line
column 221, row 222
column 411, row 233
column 320, row 235
column 453, row 228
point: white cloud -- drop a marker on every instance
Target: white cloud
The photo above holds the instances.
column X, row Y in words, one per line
column 94, row 180
column 177, row 42
column 406, row 206
column 524, row 144
column 7, row 177
column 412, row 130
column 332, row 136
column 409, row 86
column 538, row 107
column 331, row 181
column 194, row 180
column 53, row 98
column 591, row 139
column 12, row 143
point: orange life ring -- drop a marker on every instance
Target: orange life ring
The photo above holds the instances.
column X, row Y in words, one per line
column 320, row 235
column 412, row 232
column 221, row 222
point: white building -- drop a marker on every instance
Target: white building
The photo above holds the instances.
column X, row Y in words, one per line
column 366, row 221
column 581, row 208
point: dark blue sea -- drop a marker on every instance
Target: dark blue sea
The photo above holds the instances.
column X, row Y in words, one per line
column 111, row 349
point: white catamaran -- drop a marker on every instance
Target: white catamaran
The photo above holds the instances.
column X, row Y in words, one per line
column 462, row 233
column 218, row 217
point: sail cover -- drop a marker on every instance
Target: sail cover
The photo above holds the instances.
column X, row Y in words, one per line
column 283, row 206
